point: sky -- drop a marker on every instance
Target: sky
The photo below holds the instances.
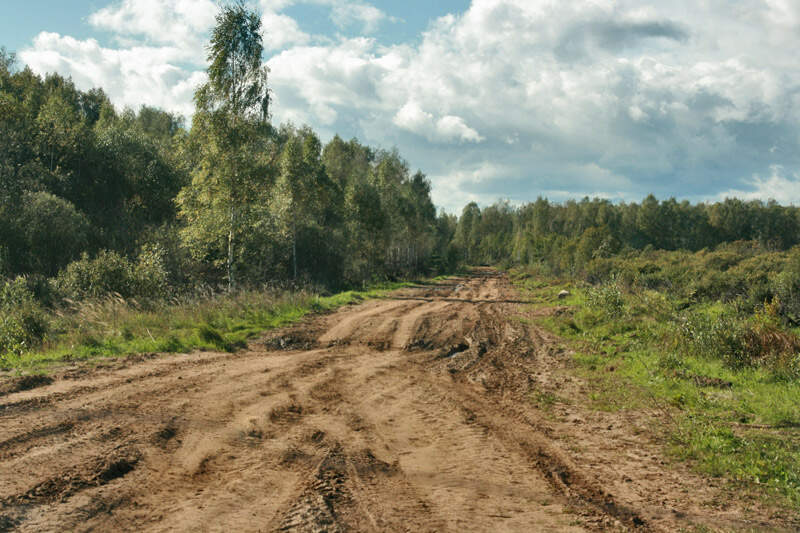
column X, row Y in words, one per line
column 491, row 99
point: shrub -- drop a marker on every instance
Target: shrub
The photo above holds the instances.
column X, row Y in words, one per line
column 607, row 298
column 110, row 273
column 787, row 288
column 42, row 289
column 739, row 343
column 51, row 232
column 150, row 275
column 92, row 278
column 23, row 323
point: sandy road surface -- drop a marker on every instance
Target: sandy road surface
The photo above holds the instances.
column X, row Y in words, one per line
column 410, row 413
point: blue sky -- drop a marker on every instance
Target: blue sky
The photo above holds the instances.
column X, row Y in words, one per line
column 491, row 99
column 22, row 21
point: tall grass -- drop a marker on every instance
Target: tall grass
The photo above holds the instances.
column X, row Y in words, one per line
column 114, row 326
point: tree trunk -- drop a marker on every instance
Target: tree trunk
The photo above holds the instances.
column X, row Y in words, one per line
column 294, row 251
column 230, row 250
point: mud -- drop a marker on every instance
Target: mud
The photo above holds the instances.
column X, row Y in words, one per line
column 417, row 412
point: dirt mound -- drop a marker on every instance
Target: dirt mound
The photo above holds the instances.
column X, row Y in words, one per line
column 23, row 383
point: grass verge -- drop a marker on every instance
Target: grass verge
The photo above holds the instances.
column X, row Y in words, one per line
column 728, row 417
column 114, row 326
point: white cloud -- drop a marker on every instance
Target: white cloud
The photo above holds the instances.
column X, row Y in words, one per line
column 275, row 5
column 160, row 49
column 445, row 129
column 453, row 127
column 179, row 23
column 455, row 186
column 345, row 14
column 779, row 186
column 132, row 77
column 413, row 118
column 613, row 97
column 280, row 31
column 784, row 12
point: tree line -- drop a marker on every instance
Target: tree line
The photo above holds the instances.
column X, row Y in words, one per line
column 566, row 237
column 137, row 202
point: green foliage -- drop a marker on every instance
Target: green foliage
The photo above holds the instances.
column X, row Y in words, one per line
column 575, row 237
column 739, row 342
column 23, row 323
column 74, row 175
column 83, row 188
column 49, row 233
column 107, row 273
column 787, row 288
column 150, row 274
column 226, row 198
column 111, row 273
column 607, row 298
column 211, row 336
column 237, row 81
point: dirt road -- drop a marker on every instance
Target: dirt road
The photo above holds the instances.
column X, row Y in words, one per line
column 411, row 413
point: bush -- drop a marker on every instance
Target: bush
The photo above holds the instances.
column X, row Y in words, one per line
column 151, row 276
column 51, row 232
column 42, row 289
column 607, row 298
column 110, row 273
column 787, row 288
column 738, row 342
column 92, row 278
column 23, row 323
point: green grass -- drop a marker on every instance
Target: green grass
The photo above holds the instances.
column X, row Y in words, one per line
column 114, row 327
column 738, row 423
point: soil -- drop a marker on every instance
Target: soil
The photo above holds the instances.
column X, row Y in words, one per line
column 423, row 411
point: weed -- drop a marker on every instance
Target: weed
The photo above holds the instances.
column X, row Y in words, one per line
column 171, row 344
column 210, row 335
column 545, row 399
column 607, row 298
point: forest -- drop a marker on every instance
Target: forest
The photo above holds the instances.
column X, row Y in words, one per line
column 101, row 206
column 98, row 203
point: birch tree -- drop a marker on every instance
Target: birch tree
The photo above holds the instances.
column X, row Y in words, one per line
column 232, row 117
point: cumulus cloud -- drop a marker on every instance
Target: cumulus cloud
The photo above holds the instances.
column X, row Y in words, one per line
column 345, row 14
column 446, row 129
column 614, row 36
column 159, row 48
column 608, row 98
column 178, row 23
column 281, row 31
column 158, row 56
column 780, row 186
column 458, row 187
column 131, row 76
column 367, row 16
